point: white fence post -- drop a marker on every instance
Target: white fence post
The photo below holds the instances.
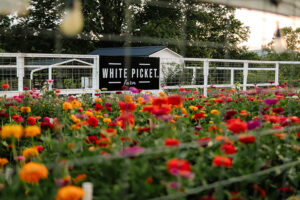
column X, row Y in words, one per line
column 20, row 71
column 245, row 73
column 95, row 75
column 205, row 74
column 277, row 73
column 232, row 78
column 50, row 77
column 194, row 76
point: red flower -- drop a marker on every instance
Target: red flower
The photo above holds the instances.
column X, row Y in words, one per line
column 39, row 148
column 236, row 125
column 179, row 167
column 159, row 101
column 170, row 142
column 143, row 129
column 129, row 107
column 203, row 141
column 207, row 198
column 246, row 139
column 147, row 108
column 278, row 110
column 285, row 189
column 298, row 134
column 93, row 121
column 126, row 119
column 46, row 125
column 91, row 139
column 199, row 115
column 228, row 148
column 98, row 107
column 222, row 161
column 5, row 86
column 229, row 114
column 175, row 100
column 163, row 110
column 31, row 121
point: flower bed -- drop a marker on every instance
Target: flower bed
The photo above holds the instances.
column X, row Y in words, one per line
column 176, row 146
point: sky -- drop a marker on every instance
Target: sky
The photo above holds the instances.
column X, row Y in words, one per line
column 263, row 26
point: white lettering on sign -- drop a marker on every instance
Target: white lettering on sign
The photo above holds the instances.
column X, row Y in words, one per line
column 135, row 73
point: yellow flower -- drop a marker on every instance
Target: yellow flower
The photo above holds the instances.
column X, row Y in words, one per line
column 30, row 152
column 75, row 126
column 106, row 120
column 15, row 131
column 214, row 112
column 183, row 110
column 128, row 98
column 31, row 131
column 67, row 106
column 69, row 192
column 193, row 108
column 98, row 100
column 202, row 111
column 211, row 122
column 32, row 172
column 75, row 119
column 76, row 104
column 25, row 109
column 3, row 161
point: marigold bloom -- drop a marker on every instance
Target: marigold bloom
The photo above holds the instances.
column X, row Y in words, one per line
column 31, row 131
column 3, row 161
column 93, row 121
column 15, row 131
column 179, row 167
column 69, row 192
column 25, row 109
column 30, row 152
column 236, row 125
column 32, row 172
column 222, row 161
column 67, row 106
column 246, row 139
column 128, row 98
column 170, row 142
column 31, row 121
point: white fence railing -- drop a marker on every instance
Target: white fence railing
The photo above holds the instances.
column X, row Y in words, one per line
column 77, row 74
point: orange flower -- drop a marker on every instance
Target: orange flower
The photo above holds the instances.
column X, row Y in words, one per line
column 79, row 178
column 280, row 135
column 128, row 98
column 244, row 113
column 67, row 106
column 141, row 100
column 31, row 131
column 15, row 131
column 75, row 104
column 3, row 161
column 222, row 161
column 25, row 109
column 30, row 152
column 69, row 192
column 32, row 172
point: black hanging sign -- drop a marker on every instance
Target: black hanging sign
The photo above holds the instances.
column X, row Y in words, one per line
column 118, row 71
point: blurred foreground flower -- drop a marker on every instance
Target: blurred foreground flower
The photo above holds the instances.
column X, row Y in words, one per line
column 32, row 172
column 69, row 192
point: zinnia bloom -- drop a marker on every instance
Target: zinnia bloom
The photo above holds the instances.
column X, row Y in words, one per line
column 15, row 131
column 270, row 102
column 93, row 121
column 175, row 100
column 170, row 142
column 32, row 172
column 236, row 125
column 70, row 192
column 129, row 107
column 214, row 112
column 222, row 161
column 126, row 119
column 246, row 139
column 25, row 109
column 5, row 86
column 31, row 131
column 253, row 124
column 67, row 106
column 30, row 152
column 179, row 167
column 228, row 148
column 31, row 121
column 3, row 161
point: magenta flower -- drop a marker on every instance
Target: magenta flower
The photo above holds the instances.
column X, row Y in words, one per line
column 134, row 90
column 132, row 151
column 271, row 101
column 253, row 124
column 198, row 128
